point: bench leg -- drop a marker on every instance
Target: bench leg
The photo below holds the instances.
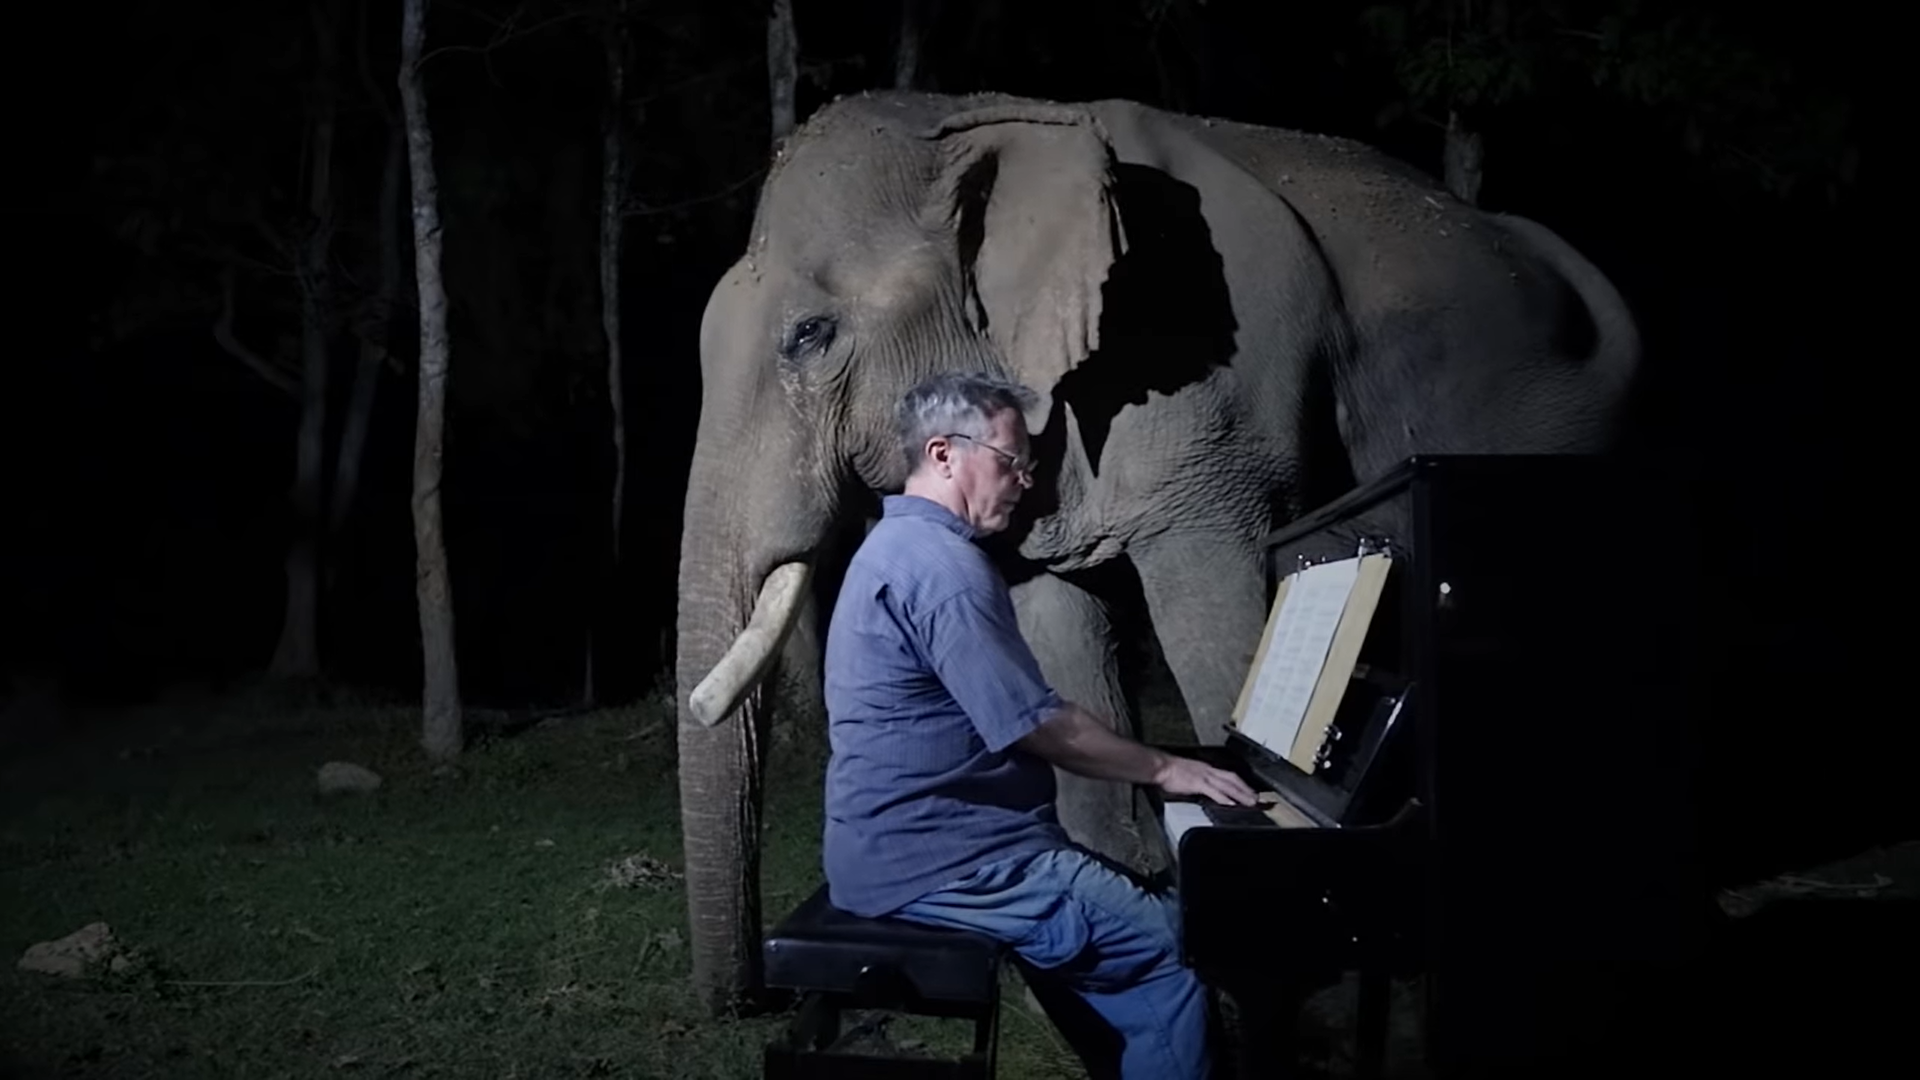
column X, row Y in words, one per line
column 986, row 1042
column 818, row 1024
column 809, row 1049
column 814, row 1028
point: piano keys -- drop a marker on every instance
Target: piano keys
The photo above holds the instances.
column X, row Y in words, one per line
column 1495, row 807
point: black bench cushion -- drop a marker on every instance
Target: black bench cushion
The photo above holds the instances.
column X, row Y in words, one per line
column 821, row 948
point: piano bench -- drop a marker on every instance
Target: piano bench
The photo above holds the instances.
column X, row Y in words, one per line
column 834, row 961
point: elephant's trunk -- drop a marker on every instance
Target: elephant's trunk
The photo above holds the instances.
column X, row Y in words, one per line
column 726, row 643
column 757, row 514
column 752, row 653
column 720, row 784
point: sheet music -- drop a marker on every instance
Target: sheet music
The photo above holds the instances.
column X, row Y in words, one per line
column 1303, row 631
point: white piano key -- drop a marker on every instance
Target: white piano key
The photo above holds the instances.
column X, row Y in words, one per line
column 1181, row 816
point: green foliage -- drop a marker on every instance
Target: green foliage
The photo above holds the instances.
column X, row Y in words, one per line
column 524, row 918
column 1735, row 107
column 1439, row 62
column 1156, row 10
column 1732, row 105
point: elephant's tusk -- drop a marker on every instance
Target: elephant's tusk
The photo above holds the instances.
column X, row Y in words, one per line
column 748, row 658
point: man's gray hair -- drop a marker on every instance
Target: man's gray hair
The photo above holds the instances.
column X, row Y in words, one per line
column 955, row 402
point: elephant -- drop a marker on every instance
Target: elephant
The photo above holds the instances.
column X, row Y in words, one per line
column 1224, row 326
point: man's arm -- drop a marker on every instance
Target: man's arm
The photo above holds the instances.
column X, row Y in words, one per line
column 1077, row 742
column 976, row 647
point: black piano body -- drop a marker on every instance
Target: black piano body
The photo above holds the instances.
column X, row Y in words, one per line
column 1501, row 808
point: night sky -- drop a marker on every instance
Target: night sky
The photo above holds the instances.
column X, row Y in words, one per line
column 156, row 147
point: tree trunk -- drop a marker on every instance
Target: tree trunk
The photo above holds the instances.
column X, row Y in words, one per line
column 352, row 450
column 613, row 193
column 298, row 653
column 783, row 68
column 906, row 45
column 1464, row 159
column 373, row 351
column 441, row 733
column 297, row 656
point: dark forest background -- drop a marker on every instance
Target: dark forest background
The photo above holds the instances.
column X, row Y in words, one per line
column 1728, row 164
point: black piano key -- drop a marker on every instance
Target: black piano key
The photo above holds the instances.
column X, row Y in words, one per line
column 1222, row 814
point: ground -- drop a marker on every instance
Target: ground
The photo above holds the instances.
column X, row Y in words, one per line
column 521, row 915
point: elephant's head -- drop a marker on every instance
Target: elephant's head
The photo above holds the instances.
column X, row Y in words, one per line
column 895, row 237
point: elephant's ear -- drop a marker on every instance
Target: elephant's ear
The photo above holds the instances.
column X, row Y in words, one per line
column 1028, row 192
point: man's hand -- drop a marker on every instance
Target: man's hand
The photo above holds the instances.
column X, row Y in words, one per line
column 1185, row 776
column 1074, row 740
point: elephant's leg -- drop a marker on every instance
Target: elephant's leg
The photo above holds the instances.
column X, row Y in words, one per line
column 1206, row 594
column 1072, row 636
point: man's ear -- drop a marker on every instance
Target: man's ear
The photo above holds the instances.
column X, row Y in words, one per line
column 939, row 455
column 1027, row 190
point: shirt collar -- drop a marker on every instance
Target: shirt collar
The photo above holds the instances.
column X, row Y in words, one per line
column 918, row 506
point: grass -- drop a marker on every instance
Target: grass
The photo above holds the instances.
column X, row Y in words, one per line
column 524, row 917
column 521, row 918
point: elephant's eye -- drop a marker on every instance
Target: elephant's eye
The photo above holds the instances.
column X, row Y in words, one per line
column 811, row 334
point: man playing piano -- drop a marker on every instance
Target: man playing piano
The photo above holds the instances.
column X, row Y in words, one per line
column 940, row 789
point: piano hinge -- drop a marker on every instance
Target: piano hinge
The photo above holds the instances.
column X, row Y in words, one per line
column 1363, row 547
column 1325, row 753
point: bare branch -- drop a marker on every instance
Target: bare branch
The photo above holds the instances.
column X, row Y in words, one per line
column 486, row 48
column 221, row 253
column 257, row 218
column 223, row 333
column 479, row 16
column 635, row 208
column 1770, row 174
column 724, row 70
column 505, row 34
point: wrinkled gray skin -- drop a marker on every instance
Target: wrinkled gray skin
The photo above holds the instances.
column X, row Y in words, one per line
column 1227, row 325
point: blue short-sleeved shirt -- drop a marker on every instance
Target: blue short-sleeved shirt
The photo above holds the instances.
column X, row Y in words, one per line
column 928, row 685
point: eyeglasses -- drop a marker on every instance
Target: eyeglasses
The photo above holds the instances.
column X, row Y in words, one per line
column 1019, row 463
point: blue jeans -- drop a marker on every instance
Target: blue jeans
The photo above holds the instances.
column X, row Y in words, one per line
column 1100, row 953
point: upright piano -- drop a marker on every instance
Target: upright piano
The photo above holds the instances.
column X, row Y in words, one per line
column 1485, row 792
